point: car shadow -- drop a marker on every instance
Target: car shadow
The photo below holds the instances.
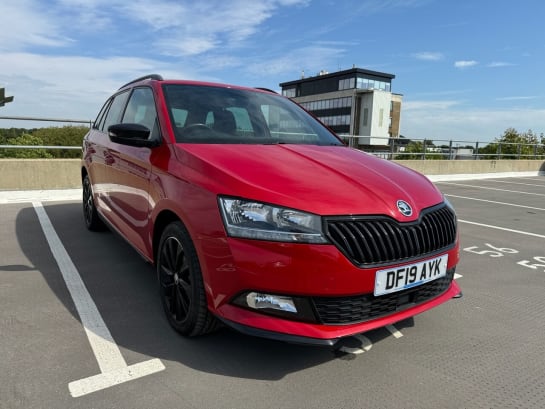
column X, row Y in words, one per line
column 124, row 288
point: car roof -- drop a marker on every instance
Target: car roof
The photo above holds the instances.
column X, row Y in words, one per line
column 158, row 78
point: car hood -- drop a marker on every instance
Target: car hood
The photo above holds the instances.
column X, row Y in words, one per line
column 325, row 180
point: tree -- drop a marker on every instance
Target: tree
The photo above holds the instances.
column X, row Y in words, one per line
column 25, row 140
column 62, row 136
column 514, row 145
column 6, row 134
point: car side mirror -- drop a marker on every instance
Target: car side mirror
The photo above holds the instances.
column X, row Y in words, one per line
column 131, row 135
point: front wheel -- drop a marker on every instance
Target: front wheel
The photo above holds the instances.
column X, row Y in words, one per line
column 181, row 284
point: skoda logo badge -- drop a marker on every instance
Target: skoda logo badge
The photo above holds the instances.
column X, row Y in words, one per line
column 404, row 208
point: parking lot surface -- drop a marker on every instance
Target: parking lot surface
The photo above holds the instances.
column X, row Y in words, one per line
column 81, row 324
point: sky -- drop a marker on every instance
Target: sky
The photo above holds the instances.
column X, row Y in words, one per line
column 467, row 69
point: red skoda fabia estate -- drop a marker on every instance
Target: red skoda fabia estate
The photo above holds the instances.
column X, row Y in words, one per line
column 257, row 216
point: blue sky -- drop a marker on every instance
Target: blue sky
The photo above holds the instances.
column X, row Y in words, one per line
column 467, row 69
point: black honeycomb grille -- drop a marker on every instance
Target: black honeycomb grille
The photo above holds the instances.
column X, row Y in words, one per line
column 361, row 308
column 380, row 239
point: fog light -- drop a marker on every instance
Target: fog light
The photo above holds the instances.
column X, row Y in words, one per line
column 273, row 302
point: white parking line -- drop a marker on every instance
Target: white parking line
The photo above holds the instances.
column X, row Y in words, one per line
column 492, row 201
column 29, row 196
column 515, row 183
column 493, row 188
column 114, row 369
column 541, row 236
column 394, row 331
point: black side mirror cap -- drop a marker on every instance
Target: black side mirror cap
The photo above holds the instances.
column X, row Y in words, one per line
column 131, row 135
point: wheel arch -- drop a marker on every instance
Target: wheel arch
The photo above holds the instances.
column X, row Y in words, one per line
column 163, row 219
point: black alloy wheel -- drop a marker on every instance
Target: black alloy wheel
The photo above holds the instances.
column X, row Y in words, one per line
column 180, row 283
column 90, row 214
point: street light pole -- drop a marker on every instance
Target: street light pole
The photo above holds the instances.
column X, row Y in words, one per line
column 3, row 99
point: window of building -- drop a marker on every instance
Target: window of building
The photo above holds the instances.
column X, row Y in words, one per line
column 347, row 83
column 365, row 83
column 334, row 103
column 365, row 116
column 289, row 92
column 335, row 120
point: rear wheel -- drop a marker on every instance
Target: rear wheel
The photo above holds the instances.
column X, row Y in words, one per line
column 90, row 214
column 181, row 284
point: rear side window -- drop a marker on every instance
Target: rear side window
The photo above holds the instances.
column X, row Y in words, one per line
column 99, row 122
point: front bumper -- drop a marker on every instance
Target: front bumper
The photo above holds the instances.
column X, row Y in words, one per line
column 321, row 274
column 271, row 327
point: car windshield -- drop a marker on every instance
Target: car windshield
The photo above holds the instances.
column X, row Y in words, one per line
column 221, row 115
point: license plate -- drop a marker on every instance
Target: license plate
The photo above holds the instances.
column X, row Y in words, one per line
column 400, row 278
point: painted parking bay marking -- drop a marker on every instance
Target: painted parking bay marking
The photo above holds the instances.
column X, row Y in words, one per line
column 114, row 370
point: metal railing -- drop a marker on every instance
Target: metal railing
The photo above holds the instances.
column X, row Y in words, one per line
column 68, row 121
column 45, row 147
column 387, row 148
column 449, row 149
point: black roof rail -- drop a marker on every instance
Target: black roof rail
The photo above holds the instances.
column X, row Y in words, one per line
column 266, row 89
column 145, row 77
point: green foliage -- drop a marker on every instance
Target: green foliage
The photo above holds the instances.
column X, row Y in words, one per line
column 6, row 134
column 52, row 136
column 65, row 136
column 25, row 140
column 514, row 145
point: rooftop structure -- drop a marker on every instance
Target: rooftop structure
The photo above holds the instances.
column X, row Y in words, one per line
column 354, row 102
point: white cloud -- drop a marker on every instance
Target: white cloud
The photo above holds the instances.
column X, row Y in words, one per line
column 497, row 64
column 376, row 6
column 186, row 28
column 518, row 98
column 294, row 61
column 448, row 120
column 26, row 23
column 465, row 63
column 192, row 28
column 429, row 56
column 62, row 85
column 78, row 88
column 429, row 106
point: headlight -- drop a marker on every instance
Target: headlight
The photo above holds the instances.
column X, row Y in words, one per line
column 255, row 220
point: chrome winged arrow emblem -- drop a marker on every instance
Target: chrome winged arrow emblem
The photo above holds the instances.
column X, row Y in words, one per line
column 404, row 208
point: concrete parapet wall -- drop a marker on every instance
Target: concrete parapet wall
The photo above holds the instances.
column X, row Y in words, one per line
column 42, row 174
column 456, row 167
column 39, row 174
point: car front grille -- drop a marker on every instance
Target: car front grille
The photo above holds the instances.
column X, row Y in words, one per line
column 361, row 308
column 375, row 240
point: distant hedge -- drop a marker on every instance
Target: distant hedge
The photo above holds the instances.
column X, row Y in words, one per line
column 52, row 136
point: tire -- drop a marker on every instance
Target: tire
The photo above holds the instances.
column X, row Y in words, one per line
column 181, row 284
column 90, row 214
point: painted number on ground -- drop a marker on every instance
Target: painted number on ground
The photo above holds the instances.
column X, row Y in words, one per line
column 490, row 250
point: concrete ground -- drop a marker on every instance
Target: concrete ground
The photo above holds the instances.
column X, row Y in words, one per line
column 485, row 350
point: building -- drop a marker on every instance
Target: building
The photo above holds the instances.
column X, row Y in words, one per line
column 354, row 103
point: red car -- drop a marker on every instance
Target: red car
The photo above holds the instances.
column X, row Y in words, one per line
column 257, row 216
